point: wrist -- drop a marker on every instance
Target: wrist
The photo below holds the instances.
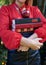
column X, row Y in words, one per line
column 33, row 36
column 23, row 41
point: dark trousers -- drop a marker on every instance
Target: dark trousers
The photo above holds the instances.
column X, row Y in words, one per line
column 23, row 58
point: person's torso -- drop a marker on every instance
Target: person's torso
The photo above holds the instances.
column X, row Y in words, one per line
column 14, row 13
column 13, row 55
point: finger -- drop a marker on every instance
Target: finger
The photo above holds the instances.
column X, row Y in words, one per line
column 19, row 49
column 40, row 44
column 36, row 48
column 24, row 49
column 38, row 39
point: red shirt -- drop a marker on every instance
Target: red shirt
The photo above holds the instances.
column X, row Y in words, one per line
column 12, row 39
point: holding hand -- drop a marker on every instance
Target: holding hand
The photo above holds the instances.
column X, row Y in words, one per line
column 34, row 44
column 23, row 48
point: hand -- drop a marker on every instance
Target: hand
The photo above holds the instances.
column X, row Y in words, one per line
column 31, row 43
column 35, row 44
column 23, row 48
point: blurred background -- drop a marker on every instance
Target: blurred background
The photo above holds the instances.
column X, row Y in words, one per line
column 3, row 51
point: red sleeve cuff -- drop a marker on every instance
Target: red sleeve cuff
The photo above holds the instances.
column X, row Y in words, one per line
column 18, row 41
column 12, row 40
column 41, row 34
column 15, row 42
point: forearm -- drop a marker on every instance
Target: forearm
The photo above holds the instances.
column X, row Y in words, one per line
column 24, row 42
column 31, row 43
